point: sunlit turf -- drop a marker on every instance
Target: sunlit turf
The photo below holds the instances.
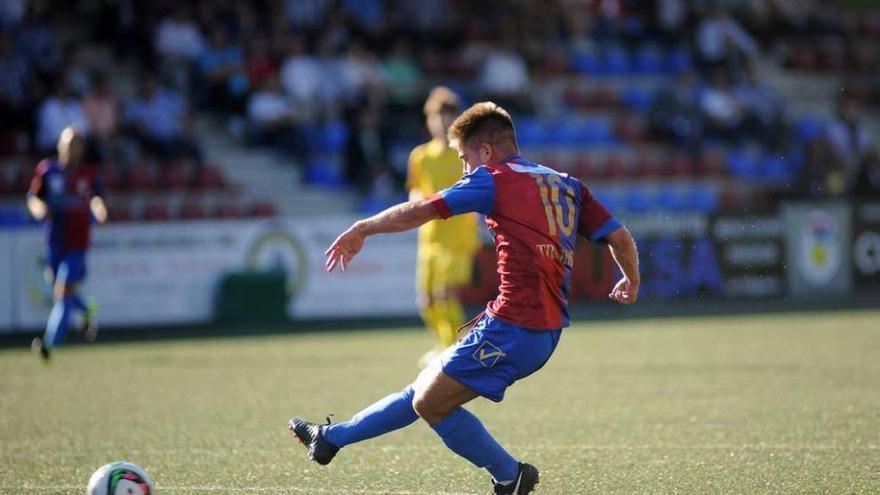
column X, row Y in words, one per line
column 785, row 403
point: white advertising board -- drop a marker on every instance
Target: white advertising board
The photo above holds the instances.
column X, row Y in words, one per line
column 154, row 274
column 7, row 282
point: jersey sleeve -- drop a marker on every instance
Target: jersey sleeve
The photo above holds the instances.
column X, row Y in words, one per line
column 475, row 192
column 595, row 221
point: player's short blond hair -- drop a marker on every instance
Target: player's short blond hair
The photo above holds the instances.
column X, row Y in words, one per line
column 485, row 121
column 442, row 99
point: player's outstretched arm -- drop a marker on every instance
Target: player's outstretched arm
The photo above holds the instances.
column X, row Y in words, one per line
column 623, row 249
column 99, row 209
column 399, row 218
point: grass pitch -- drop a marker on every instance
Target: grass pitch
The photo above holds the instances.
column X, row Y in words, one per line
column 747, row 405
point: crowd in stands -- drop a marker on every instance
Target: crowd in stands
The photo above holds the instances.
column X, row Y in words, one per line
column 335, row 86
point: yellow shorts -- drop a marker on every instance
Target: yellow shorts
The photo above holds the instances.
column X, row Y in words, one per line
column 439, row 269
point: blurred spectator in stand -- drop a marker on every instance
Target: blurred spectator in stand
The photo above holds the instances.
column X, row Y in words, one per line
column 221, row 67
column 159, row 119
column 179, row 43
column 302, row 76
column 722, row 111
column 671, row 17
column 58, row 111
column 764, row 109
column 306, row 15
column 15, row 105
column 504, row 78
column 402, row 76
column 722, row 42
column 609, row 19
column 259, row 65
column 849, row 139
column 36, row 40
column 272, row 121
column 867, row 182
column 11, row 13
column 818, row 179
column 365, row 154
column 101, row 107
column 676, row 113
column 360, row 70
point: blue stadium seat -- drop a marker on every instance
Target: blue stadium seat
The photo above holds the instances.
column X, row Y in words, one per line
column 334, row 136
column 596, row 131
column 702, row 197
column 530, row 131
column 677, row 60
column 639, row 199
column 809, row 128
column 637, row 98
column 741, row 164
column 673, row 199
column 648, row 60
column 615, row 61
column 586, row 64
column 325, row 174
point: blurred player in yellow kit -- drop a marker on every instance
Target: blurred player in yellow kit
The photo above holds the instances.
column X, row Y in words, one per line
column 446, row 247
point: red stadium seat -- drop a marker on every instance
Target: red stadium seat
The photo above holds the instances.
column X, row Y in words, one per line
column 157, row 213
column 614, row 167
column 648, row 166
column 210, row 177
column 111, row 177
column 262, row 209
column 176, row 175
column 227, row 210
column 119, row 213
column 192, row 210
column 141, row 178
column 679, row 165
column 711, row 163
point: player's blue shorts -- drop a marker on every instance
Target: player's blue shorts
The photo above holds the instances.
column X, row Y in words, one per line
column 68, row 266
column 497, row 353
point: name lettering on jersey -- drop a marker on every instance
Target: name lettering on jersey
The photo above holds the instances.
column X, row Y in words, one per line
column 550, row 251
column 488, row 354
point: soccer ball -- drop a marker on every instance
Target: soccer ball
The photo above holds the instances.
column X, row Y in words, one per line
column 120, row 478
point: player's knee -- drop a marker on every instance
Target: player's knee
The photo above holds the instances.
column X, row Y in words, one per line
column 426, row 408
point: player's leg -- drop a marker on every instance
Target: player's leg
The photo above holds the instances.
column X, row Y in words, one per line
column 426, row 276
column 487, row 361
column 455, row 273
column 70, row 272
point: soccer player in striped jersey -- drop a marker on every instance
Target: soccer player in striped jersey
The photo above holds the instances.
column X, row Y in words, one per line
column 66, row 193
column 535, row 215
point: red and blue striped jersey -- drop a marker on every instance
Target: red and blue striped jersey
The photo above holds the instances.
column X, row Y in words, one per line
column 67, row 193
column 534, row 214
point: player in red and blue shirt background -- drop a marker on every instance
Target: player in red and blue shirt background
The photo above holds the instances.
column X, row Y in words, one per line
column 535, row 215
column 66, row 193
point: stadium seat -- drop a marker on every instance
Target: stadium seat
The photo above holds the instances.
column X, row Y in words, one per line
column 702, row 197
column 119, row 213
column 614, row 167
column 262, row 209
column 595, row 131
column 530, row 131
column 648, row 166
column 210, row 177
column 586, row 64
column 334, row 137
column 227, row 210
column 809, row 128
column 324, row 173
column 678, row 60
column 637, row 98
column 711, row 163
column 175, row 175
column 111, row 177
column 679, row 165
column 141, row 178
column 674, row 199
column 192, row 210
column 648, row 60
column 615, row 61
column 157, row 212
column 638, row 199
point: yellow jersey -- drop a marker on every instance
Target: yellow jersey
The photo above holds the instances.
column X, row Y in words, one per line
column 433, row 166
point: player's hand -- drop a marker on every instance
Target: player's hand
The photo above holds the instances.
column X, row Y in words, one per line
column 625, row 291
column 344, row 248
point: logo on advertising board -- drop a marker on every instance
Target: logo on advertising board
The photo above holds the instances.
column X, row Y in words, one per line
column 820, row 254
column 278, row 249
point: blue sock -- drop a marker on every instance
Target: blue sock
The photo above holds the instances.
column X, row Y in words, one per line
column 391, row 413
column 79, row 303
column 56, row 328
column 465, row 435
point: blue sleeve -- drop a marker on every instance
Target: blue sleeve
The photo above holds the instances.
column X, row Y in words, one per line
column 473, row 192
